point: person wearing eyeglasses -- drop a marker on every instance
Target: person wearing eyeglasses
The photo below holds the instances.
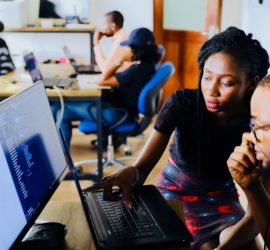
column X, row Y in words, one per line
column 249, row 164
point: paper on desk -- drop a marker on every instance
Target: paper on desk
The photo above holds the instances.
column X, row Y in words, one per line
column 90, row 82
column 25, row 77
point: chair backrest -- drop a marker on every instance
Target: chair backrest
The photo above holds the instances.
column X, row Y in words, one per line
column 161, row 51
column 147, row 104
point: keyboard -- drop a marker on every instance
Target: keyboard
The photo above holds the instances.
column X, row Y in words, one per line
column 127, row 223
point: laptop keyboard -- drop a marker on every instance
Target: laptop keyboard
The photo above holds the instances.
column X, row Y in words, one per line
column 127, row 223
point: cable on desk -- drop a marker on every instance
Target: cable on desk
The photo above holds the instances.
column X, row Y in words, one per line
column 62, row 105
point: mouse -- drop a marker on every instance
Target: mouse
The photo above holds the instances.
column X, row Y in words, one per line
column 74, row 75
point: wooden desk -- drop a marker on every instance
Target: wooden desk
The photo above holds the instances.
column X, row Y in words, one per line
column 79, row 236
column 23, row 81
column 37, row 29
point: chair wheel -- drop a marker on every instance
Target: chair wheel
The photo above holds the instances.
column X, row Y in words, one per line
column 79, row 169
column 128, row 153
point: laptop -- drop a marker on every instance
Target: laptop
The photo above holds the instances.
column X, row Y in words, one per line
column 31, row 160
column 35, row 73
column 80, row 69
column 151, row 223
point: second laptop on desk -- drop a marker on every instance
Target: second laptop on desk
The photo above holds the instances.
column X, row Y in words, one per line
column 35, row 73
column 80, row 69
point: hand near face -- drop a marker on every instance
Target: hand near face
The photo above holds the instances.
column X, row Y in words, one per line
column 242, row 163
column 97, row 36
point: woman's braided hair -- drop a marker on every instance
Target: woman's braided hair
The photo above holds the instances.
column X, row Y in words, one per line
column 248, row 53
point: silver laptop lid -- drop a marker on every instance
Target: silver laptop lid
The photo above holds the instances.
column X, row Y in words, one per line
column 70, row 57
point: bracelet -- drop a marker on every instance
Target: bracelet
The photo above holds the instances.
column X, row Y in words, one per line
column 136, row 181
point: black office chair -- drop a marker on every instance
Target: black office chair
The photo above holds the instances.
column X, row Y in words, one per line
column 148, row 103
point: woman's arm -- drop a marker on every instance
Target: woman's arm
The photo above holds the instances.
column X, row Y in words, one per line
column 111, row 70
column 111, row 82
column 127, row 176
column 151, row 153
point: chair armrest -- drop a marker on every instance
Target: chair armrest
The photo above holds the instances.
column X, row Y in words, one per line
column 105, row 123
column 122, row 120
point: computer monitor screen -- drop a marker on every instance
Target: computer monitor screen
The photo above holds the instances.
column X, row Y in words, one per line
column 32, row 67
column 32, row 161
column 64, row 8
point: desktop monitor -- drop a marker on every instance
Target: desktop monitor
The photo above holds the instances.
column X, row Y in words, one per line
column 64, row 8
column 32, row 162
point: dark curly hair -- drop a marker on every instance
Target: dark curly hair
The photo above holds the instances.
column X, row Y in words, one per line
column 147, row 53
column 248, row 55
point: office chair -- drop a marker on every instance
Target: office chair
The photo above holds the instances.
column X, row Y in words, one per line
column 148, row 103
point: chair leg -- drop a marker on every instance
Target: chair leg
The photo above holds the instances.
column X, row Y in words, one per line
column 128, row 152
column 108, row 161
column 127, row 149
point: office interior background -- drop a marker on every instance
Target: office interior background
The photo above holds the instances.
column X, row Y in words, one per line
column 181, row 26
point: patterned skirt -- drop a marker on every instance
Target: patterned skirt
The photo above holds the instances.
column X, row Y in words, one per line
column 208, row 208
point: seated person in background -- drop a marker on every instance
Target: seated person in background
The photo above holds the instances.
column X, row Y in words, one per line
column 126, row 85
column 249, row 164
column 6, row 63
column 113, row 28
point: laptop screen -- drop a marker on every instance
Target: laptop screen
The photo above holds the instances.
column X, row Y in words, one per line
column 31, row 161
column 70, row 57
column 32, row 67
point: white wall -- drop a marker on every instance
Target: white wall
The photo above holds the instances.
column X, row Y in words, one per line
column 138, row 13
column 256, row 20
column 231, row 14
column 250, row 16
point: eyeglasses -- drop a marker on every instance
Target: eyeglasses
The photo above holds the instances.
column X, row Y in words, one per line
column 255, row 128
